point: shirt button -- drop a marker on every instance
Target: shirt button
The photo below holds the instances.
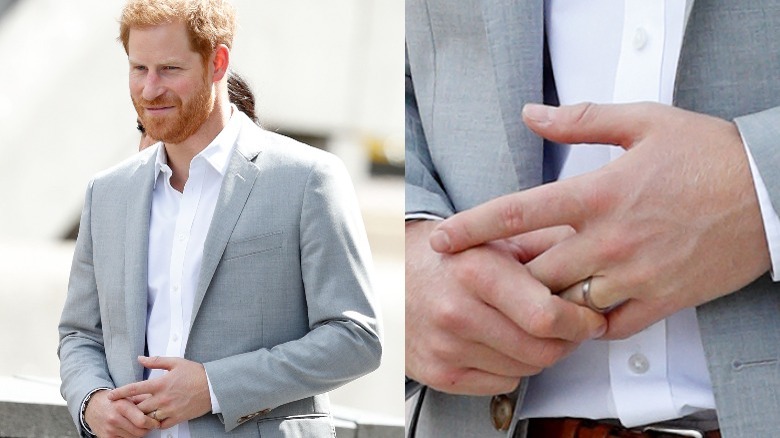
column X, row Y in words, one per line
column 175, row 337
column 175, row 287
column 638, row 363
column 640, row 38
column 170, row 435
column 182, row 237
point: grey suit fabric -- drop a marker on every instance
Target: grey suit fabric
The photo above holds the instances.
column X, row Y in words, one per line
column 284, row 310
column 472, row 65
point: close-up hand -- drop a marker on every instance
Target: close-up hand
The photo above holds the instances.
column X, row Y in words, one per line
column 181, row 394
column 673, row 223
column 477, row 321
column 117, row 418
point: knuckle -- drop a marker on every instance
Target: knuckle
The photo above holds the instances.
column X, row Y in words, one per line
column 512, row 217
column 449, row 316
column 584, row 113
column 445, row 352
column 600, row 199
column 543, row 321
column 465, row 268
column 613, row 248
column 637, row 278
column 475, row 275
column 113, row 419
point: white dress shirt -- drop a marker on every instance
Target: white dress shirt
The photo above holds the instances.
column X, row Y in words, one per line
column 178, row 227
column 617, row 51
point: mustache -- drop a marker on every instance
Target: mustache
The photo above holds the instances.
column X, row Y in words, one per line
column 157, row 102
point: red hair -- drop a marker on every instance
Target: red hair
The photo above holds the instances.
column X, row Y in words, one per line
column 209, row 22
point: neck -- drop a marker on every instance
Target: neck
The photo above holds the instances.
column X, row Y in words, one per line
column 181, row 154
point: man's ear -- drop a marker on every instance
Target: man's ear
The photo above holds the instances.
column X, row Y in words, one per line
column 220, row 62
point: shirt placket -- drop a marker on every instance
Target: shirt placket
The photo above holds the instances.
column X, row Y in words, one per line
column 638, row 365
column 180, row 258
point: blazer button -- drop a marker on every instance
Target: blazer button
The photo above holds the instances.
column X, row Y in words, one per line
column 502, row 407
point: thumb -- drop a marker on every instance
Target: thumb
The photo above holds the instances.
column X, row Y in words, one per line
column 157, row 362
column 617, row 124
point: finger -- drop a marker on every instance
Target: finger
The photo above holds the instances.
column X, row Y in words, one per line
column 499, row 347
column 510, row 288
column 474, row 382
column 158, row 363
column 149, row 405
column 170, row 422
column 486, row 359
column 621, row 124
column 157, row 415
column 632, row 317
column 135, row 422
column 134, row 389
column 139, row 398
column 568, row 263
column 545, row 206
column 528, row 246
column 577, row 295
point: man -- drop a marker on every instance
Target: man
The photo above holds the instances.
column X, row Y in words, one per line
column 678, row 221
column 220, row 279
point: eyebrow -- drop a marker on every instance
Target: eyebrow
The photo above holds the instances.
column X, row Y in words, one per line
column 168, row 61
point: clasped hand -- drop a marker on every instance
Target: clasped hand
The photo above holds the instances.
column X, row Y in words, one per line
column 181, row 394
column 673, row 223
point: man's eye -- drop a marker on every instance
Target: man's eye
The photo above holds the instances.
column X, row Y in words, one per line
column 170, row 67
column 140, row 128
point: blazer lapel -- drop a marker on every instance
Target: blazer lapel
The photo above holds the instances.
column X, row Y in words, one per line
column 515, row 32
column 138, row 206
column 236, row 186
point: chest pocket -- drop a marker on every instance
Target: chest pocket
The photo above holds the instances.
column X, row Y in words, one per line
column 244, row 247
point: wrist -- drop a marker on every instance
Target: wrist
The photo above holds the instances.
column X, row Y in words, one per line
column 83, row 413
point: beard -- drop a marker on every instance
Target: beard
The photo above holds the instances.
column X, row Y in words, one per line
column 179, row 126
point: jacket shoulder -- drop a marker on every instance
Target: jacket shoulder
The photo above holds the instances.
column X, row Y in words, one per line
column 128, row 166
column 281, row 152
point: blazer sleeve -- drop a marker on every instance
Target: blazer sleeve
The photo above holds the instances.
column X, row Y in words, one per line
column 83, row 366
column 343, row 342
column 761, row 132
column 424, row 190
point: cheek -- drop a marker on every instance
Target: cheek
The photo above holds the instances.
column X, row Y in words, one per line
column 136, row 87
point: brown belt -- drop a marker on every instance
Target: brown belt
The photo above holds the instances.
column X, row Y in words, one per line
column 581, row 428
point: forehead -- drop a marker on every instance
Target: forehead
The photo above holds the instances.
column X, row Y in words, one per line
column 159, row 44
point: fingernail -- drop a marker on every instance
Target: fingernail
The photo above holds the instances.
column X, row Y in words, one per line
column 599, row 332
column 440, row 241
column 537, row 113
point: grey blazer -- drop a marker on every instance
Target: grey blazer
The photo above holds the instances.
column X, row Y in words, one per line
column 283, row 312
column 472, row 65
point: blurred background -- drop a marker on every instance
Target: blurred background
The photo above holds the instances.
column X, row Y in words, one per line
column 328, row 73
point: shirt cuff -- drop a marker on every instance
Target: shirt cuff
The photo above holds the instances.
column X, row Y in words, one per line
column 422, row 216
column 84, row 426
column 215, row 409
column 768, row 215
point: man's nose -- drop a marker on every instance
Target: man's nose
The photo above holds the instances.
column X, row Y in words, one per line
column 153, row 87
